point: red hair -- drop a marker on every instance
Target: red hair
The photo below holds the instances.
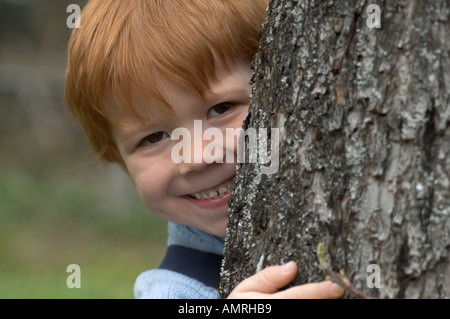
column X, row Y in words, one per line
column 124, row 48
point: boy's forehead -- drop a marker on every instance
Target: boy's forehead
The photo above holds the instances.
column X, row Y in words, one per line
column 142, row 104
column 136, row 106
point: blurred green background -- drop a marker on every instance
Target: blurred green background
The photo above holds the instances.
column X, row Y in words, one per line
column 58, row 205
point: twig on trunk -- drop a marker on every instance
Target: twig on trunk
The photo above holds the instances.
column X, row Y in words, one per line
column 340, row 278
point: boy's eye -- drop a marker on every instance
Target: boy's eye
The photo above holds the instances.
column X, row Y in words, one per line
column 154, row 138
column 219, row 109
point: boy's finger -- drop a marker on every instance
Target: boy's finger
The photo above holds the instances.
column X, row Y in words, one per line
column 270, row 279
column 317, row 290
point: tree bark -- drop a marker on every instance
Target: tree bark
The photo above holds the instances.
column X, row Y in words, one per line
column 363, row 115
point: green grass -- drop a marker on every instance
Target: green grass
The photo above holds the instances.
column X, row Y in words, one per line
column 49, row 220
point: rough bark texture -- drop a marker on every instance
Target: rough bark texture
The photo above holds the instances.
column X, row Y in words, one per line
column 364, row 119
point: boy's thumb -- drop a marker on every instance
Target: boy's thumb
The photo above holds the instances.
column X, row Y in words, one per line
column 270, row 279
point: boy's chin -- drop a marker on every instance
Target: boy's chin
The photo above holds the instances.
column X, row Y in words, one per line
column 216, row 227
column 220, row 231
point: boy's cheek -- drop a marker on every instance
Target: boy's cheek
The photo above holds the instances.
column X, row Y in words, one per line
column 147, row 189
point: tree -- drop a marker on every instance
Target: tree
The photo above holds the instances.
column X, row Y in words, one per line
column 361, row 96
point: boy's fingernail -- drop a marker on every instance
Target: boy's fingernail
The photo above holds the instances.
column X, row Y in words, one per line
column 287, row 267
column 337, row 290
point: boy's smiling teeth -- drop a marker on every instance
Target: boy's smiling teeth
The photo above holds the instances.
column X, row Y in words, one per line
column 214, row 192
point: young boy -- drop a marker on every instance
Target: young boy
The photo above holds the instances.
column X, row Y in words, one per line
column 137, row 71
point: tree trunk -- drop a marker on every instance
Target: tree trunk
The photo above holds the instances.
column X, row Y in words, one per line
column 364, row 146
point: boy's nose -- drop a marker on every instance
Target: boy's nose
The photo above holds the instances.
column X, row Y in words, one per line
column 191, row 168
column 193, row 161
column 200, row 156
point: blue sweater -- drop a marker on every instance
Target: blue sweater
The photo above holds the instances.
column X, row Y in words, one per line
column 190, row 270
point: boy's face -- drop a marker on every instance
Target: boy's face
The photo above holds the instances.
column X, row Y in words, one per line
column 196, row 193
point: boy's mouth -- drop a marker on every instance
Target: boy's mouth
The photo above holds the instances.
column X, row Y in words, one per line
column 215, row 192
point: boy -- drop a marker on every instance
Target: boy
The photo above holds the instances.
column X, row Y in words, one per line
column 138, row 70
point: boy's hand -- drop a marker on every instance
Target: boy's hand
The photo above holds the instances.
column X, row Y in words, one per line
column 266, row 283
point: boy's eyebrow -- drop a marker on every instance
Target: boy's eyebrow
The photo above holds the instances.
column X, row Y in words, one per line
column 226, row 92
column 128, row 133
